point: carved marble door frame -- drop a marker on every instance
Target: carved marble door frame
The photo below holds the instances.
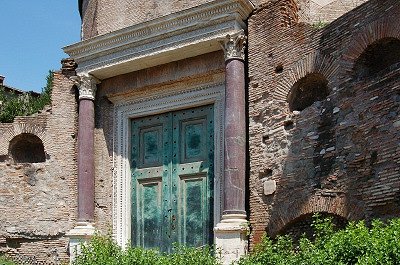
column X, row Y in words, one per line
column 127, row 109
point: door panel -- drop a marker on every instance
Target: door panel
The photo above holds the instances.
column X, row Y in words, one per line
column 193, row 210
column 192, row 135
column 150, row 222
column 151, row 148
column 192, row 176
column 172, row 178
column 151, row 163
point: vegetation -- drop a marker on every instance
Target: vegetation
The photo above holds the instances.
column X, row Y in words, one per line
column 12, row 106
column 103, row 250
column 319, row 25
column 356, row 244
column 6, row 261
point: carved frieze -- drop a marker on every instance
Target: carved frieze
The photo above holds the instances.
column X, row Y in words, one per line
column 184, row 34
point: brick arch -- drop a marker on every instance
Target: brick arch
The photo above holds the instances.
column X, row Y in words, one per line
column 19, row 128
column 303, row 225
column 284, row 214
column 314, row 62
column 289, row 12
column 27, row 148
column 388, row 27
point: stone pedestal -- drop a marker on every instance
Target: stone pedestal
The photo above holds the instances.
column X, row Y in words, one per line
column 81, row 234
column 231, row 237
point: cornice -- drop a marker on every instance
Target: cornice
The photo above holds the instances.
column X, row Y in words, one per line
column 173, row 37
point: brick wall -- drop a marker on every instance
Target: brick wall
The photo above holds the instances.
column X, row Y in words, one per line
column 38, row 200
column 341, row 154
column 325, row 11
column 303, row 225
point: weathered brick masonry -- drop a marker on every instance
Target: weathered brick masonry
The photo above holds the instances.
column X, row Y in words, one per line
column 38, row 200
column 323, row 124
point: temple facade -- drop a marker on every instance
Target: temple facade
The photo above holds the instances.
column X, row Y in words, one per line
column 210, row 122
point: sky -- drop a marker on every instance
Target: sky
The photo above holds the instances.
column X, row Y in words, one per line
column 32, row 34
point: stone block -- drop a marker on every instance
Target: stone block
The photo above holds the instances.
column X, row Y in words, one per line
column 269, row 187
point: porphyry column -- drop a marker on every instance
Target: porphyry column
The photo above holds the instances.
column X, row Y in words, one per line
column 231, row 232
column 84, row 229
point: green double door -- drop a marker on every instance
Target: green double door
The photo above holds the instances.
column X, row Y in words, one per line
column 172, row 178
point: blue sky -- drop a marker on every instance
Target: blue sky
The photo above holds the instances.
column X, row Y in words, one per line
column 32, row 34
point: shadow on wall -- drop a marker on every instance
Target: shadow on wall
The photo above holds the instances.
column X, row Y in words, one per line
column 341, row 130
column 380, row 56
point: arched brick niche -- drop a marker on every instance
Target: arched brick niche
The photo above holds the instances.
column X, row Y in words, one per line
column 374, row 37
column 285, row 214
column 309, row 89
column 24, row 125
column 378, row 56
column 27, row 148
column 303, row 225
column 300, row 84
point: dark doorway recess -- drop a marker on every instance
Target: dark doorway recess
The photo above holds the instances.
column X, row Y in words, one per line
column 309, row 89
column 377, row 57
column 27, row 148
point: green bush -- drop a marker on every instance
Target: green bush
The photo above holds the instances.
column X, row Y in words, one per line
column 6, row 261
column 12, row 105
column 103, row 250
column 356, row 244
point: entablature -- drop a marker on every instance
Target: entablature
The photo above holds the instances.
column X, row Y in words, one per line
column 174, row 37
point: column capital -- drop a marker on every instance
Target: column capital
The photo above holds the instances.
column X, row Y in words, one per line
column 233, row 45
column 86, row 84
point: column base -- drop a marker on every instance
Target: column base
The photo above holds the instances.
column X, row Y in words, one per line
column 80, row 234
column 231, row 237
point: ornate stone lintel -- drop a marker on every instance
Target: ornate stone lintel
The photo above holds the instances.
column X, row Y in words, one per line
column 87, row 85
column 233, row 45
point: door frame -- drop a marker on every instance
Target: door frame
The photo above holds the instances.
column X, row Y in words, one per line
column 128, row 108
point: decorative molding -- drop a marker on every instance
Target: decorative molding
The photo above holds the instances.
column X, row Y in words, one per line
column 87, row 85
column 234, row 45
column 131, row 108
column 177, row 36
